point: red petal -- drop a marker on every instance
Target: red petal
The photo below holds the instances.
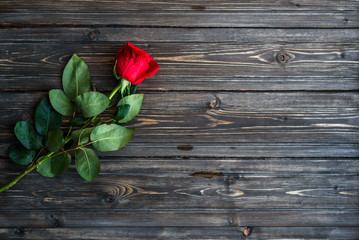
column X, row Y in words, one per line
column 140, row 51
column 135, row 68
column 152, row 69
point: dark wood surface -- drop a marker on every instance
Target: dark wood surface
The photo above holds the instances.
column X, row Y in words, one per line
column 252, row 120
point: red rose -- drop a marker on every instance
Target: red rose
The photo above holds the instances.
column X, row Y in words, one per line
column 134, row 64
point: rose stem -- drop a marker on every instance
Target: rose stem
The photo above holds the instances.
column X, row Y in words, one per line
column 32, row 167
column 51, row 154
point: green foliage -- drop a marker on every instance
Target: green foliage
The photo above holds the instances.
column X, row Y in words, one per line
column 61, row 103
column 122, row 112
column 21, row 155
column 55, row 140
column 27, row 135
column 77, row 121
column 46, row 118
column 81, row 136
column 69, row 144
column 87, row 163
column 110, row 137
column 135, row 103
column 92, row 103
column 76, row 78
column 55, row 166
column 75, row 96
column 133, row 89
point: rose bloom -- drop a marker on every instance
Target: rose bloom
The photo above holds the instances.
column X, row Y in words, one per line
column 134, row 64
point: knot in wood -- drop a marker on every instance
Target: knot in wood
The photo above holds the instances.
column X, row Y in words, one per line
column 93, row 35
column 230, row 221
column 25, row 117
column 213, row 103
column 282, row 58
column 109, row 198
column 55, row 220
column 230, row 179
column 247, row 231
column 20, row 231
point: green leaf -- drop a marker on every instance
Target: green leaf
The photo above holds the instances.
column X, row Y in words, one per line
column 135, row 102
column 61, row 103
column 55, row 140
column 27, row 135
column 133, row 89
column 55, row 166
column 76, row 78
column 46, row 118
column 81, row 136
column 92, row 103
column 122, row 112
column 87, row 163
column 77, row 121
column 21, row 155
column 110, row 137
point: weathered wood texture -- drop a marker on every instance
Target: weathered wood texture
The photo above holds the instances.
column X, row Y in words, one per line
column 252, row 120
column 129, row 233
column 231, row 66
column 185, row 13
column 195, row 183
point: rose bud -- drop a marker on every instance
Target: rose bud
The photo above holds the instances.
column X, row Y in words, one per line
column 134, row 64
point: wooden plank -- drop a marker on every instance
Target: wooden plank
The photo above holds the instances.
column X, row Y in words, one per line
column 272, row 124
column 173, row 119
column 204, row 126
column 187, row 149
column 173, row 167
column 270, row 19
column 161, row 82
column 326, row 14
column 166, row 5
column 317, row 104
column 118, row 35
column 321, row 66
column 237, row 150
column 130, row 233
column 194, row 183
column 214, row 59
column 181, row 218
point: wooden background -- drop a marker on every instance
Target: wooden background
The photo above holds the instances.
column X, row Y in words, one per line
column 251, row 121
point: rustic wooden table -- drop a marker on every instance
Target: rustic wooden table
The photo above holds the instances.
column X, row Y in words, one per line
column 250, row 124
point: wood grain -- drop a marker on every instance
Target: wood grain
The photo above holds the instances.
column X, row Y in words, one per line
column 251, row 123
column 129, row 233
column 155, row 184
column 181, row 218
column 279, row 14
column 242, row 67
column 166, row 5
column 143, row 35
column 316, row 19
column 169, row 120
